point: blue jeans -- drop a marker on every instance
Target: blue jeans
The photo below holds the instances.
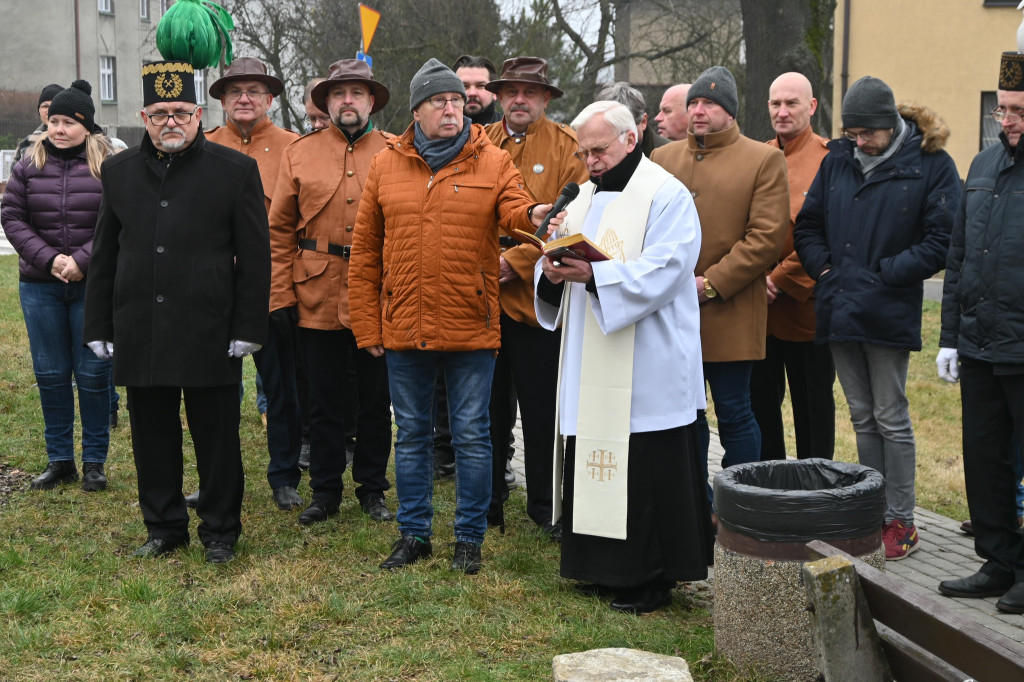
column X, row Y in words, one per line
column 468, row 376
column 53, row 316
column 737, row 428
column 874, row 380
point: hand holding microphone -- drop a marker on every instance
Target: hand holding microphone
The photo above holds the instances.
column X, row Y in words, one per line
column 569, row 192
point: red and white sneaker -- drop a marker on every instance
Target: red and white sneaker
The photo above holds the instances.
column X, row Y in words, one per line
column 899, row 540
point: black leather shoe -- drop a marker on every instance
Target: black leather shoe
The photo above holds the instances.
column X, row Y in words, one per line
column 374, row 507
column 976, row 586
column 642, row 600
column 317, row 511
column 192, row 501
column 406, row 550
column 1012, row 601
column 219, row 553
column 113, row 419
column 443, row 470
column 93, row 478
column 54, row 474
column 304, row 455
column 155, row 547
column 467, row 558
column 553, row 531
column 287, row 498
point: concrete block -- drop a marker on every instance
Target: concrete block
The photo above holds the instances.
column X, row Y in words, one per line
column 846, row 644
column 618, row 665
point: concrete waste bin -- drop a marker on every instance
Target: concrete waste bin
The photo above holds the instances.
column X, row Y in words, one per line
column 767, row 512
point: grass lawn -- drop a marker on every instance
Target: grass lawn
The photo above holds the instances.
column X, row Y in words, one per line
column 310, row 603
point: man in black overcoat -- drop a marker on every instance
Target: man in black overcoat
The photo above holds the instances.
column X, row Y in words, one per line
column 179, row 287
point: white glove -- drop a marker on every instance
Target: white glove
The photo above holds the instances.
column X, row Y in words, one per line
column 104, row 350
column 946, row 361
column 239, row 349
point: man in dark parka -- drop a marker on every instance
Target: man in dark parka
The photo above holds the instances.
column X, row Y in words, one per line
column 180, row 288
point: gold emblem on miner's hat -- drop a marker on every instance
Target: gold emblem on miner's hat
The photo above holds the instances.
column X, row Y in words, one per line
column 168, row 85
column 538, row 168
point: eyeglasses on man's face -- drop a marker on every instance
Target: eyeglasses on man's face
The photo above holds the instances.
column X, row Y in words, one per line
column 1012, row 116
column 867, row 135
column 440, row 102
column 180, row 117
column 252, row 93
column 598, row 151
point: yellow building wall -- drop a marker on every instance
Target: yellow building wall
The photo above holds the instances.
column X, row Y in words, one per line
column 939, row 53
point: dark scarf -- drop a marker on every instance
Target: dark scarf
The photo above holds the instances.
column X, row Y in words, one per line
column 69, row 153
column 352, row 137
column 487, row 115
column 439, row 153
column 1014, row 152
column 615, row 179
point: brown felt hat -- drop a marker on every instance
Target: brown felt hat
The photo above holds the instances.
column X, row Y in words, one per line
column 246, row 69
column 524, row 70
column 345, row 70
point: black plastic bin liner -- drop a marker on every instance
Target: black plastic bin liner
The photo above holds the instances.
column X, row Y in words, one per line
column 800, row 501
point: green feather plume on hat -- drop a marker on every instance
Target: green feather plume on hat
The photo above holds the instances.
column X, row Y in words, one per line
column 196, row 31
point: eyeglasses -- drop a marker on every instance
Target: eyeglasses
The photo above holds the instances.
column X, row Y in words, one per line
column 252, row 93
column 1001, row 115
column 867, row 135
column 316, row 122
column 597, row 152
column 180, row 117
column 440, row 102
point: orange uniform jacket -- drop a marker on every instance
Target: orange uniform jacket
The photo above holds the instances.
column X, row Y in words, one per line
column 791, row 317
column 317, row 198
column 429, row 242
column 265, row 144
column 545, row 159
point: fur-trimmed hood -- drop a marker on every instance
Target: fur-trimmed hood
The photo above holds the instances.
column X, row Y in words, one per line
column 934, row 131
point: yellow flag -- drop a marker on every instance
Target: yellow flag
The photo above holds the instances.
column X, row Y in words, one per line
column 368, row 18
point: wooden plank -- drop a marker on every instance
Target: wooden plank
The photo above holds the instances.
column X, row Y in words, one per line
column 912, row 663
column 966, row 645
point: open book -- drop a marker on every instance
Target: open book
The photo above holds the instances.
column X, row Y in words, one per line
column 573, row 246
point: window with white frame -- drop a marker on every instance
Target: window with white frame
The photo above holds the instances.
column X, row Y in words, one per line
column 164, row 5
column 107, row 6
column 144, row 9
column 200, row 79
column 108, row 79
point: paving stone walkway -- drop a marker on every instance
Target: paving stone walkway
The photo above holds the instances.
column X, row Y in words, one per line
column 944, row 553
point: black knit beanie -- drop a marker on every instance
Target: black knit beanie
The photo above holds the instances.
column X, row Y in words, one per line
column 869, row 103
column 48, row 93
column 717, row 85
column 75, row 103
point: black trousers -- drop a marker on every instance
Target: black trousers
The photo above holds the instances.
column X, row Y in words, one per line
column 327, row 354
column 526, row 371
column 213, row 416
column 993, row 411
column 276, row 364
column 811, row 375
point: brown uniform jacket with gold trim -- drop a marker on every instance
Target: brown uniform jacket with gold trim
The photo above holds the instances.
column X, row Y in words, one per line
column 791, row 316
column 545, row 159
column 317, row 197
column 265, row 144
column 742, row 197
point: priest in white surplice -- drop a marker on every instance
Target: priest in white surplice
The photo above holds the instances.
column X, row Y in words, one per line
column 635, row 519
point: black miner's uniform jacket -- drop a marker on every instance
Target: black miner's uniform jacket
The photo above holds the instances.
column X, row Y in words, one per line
column 180, row 264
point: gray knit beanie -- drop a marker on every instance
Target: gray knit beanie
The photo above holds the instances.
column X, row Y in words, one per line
column 433, row 78
column 869, row 104
column 717, row 85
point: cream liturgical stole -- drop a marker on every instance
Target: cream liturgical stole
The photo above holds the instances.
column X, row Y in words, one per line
column 606, row 375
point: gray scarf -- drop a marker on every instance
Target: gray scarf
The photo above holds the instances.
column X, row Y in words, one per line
column 868, row 164
column 439, row 153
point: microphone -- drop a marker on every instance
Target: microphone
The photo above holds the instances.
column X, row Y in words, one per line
column 569, row 192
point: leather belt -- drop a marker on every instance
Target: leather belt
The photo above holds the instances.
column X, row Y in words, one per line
column 333, row 249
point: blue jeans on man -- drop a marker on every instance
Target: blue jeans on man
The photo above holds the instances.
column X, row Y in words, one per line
column 468, row 375
column 53, row 317
column 737, row 428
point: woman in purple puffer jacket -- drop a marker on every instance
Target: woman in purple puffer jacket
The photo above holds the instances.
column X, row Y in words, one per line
column 49, row 215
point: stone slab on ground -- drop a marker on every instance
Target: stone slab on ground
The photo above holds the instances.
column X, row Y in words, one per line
column 618, row 665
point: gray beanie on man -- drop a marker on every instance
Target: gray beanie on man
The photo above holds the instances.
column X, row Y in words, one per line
column 717, row 85
column 433, row 78
column 869, row 103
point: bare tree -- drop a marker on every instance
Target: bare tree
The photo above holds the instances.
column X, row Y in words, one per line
column 781, row 36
